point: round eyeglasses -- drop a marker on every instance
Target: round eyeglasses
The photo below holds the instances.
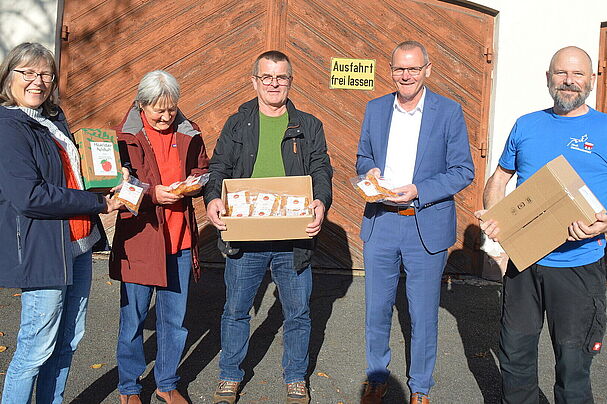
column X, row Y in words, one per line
column 266, row 80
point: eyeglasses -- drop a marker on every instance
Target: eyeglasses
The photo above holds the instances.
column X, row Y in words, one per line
column 31, row 76
column 413, row 71
column 266, row 80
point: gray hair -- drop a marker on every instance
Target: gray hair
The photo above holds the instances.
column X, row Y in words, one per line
column 408, row 45
column 27, row 53
column 156, row 85
column 274, row 56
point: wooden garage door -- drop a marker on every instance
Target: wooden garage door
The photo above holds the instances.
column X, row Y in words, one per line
column 209, row 46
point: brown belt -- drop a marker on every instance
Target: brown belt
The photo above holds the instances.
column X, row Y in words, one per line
column 401, row 210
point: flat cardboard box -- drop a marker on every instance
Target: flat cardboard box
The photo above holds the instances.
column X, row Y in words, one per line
column 533, row 219
column 99, row 159
column 270, row 227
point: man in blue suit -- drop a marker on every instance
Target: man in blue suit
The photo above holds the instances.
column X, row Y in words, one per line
column 417, row 140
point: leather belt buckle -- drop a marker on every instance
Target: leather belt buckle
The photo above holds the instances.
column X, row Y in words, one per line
column 403, row 211
column 409, row 211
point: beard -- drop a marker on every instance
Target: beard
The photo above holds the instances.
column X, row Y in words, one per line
column 568, row 103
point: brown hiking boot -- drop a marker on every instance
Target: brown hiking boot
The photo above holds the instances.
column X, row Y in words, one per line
column 170, row 397
column 419, row 398
column 297, row 393
column 226, row 392
column 130, row 399
column 374, row 393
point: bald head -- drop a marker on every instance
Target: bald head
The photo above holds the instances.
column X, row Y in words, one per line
column 570, row 81
column 570, row 53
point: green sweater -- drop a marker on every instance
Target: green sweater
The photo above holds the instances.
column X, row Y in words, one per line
column 269, row 153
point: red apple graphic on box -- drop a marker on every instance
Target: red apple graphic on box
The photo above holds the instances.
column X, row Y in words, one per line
column 106, row 165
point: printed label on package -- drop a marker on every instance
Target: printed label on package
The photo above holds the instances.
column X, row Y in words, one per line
column 104, row 160
column 130, row 193
column 368, row 187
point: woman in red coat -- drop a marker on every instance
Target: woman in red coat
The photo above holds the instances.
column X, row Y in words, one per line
column 157, row 249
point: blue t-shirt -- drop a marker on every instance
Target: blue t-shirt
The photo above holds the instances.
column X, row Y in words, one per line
column 541, row 136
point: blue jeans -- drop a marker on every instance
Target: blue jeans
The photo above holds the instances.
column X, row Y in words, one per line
column 243, row 275
column 52, row 325
column 171, row 304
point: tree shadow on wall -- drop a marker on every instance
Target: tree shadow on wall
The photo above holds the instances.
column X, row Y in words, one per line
column 19, row 13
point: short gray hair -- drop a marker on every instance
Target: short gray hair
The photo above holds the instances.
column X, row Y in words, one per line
column 156, row 85
column 274, row 56
column 408, row 45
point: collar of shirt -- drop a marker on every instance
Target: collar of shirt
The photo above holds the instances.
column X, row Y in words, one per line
column 418, row 108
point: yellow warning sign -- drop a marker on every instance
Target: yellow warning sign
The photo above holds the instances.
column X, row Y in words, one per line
column 352, row 74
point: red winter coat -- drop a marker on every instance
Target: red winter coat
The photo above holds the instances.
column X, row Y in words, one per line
column 138, row 250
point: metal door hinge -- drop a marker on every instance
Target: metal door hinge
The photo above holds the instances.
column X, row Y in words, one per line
column 483, row 149
column 488, row 55
column 64, row 33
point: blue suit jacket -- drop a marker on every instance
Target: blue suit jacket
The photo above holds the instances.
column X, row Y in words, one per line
column 443, row 164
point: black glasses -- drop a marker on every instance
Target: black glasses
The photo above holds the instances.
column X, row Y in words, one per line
column 413, row 71
column 31, row 76
column 266, row 80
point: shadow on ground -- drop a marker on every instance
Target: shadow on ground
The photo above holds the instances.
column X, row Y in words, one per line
column 205, row 305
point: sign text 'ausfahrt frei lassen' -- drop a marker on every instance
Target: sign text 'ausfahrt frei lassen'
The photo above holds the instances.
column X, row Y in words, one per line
column 352, row 74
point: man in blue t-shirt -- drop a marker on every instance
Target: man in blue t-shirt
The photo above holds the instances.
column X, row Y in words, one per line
column 568, row 285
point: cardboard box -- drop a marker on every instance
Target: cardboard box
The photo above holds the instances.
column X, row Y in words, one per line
column 270, row 227
column 99, row 159
column 533, row 219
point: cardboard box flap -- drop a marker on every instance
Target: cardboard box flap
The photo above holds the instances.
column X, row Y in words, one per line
column 562, row 171
column 586, row 201
column 576, row 189
column 531, row 200
column 518, row 248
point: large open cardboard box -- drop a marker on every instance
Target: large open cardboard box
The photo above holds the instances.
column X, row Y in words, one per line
column 270, row 227
column 533, row 219
column 99, row 159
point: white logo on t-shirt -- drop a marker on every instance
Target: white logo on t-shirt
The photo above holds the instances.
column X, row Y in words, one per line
column 582, row 144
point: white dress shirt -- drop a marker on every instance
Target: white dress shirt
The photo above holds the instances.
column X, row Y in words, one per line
column 402, row 143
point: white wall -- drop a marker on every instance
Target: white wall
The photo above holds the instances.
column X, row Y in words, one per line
column 27, row 21
column 527, row 34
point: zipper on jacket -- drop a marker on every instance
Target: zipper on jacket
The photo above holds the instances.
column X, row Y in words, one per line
column 19, row 246
column 298, row 156
column 63, row 252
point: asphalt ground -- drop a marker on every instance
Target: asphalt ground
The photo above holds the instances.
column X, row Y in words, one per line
column 466, row 369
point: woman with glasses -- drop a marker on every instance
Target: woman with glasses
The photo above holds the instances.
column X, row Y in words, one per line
column 156, row 251
column 48, row 226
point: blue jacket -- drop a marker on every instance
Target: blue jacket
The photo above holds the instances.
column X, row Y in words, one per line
column 35, row 246
column 443, row 164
